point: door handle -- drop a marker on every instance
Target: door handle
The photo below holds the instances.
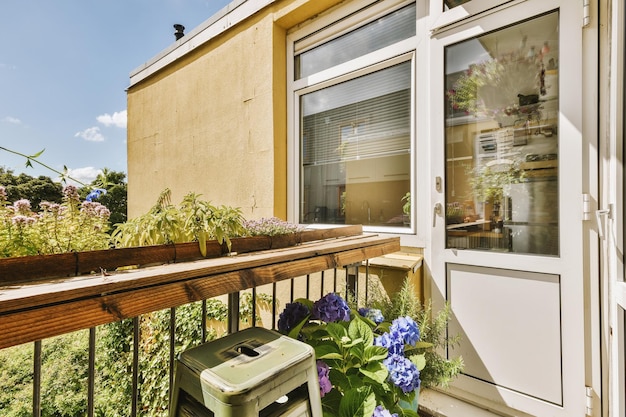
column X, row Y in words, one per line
column 437, row 209
column 608, row 213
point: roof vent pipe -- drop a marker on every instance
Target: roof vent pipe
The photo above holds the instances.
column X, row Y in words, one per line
column 180, row 31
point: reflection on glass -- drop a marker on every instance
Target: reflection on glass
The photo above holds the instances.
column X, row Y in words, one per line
column 387, row 30
column 502, row 139
column 450, row 4
column 355, row 142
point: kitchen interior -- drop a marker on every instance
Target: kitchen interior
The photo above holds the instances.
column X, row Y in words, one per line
column 502, row 140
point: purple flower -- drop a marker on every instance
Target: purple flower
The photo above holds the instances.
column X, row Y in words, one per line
column 373, row 314
column 407, row 329
column 3, row 194
column 403, row 373
column 331, row 308
column 293, row 314
column 323, row 372
column 380, row 411
column 393, row 343
column 22, row 206
column 71, row 193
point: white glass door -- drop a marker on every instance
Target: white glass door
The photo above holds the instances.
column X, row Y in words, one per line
column 507, row 229
column 611, row 217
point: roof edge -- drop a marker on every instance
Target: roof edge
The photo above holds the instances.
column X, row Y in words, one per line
column 234, row 13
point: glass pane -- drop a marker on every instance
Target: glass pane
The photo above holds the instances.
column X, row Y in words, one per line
column 355, row 142
column 382, row 32
column 502, row 106
column 450, row 4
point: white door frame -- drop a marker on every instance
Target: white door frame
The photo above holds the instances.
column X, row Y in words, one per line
column 610, row 216
column 570, row 265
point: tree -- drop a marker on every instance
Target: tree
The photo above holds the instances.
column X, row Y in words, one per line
column 116, row 196
column 33, row 189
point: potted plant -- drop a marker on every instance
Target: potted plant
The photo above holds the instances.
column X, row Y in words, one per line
column 367, row 365
column 406, row 208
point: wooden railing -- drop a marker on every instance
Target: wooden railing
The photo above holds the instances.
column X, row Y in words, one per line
column 90, row 290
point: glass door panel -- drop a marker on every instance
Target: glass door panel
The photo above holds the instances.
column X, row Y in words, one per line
column 501, row 138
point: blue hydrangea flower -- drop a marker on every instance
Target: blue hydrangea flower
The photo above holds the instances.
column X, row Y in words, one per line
column 95, row 194
column 403, row 373
column 323, row 373
column 293, row 314
column 407, row 328
column 331, row 308
column 381, row 411
column 393, row 342
column 372, row 313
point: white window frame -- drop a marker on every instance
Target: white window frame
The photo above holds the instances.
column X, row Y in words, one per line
column 444, row 19
column 323, row 29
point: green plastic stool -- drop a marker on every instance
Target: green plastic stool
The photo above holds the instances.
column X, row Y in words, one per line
column 244, row 374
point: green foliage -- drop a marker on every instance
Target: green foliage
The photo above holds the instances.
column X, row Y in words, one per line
column 65, row 364
column 406, row 206
column 438, row 370
column 193, row 220
column 57, row 228
column 360, row 379
column 30, row 188
column 116, row 197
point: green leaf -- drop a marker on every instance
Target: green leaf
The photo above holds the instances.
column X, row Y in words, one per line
column 336, row 331
column 359, row 402
column 375, row 353
column 359, row 329
column 38, row 154
column 419, row 361
column 327, row 351
column 375, row 371
column 202, row 243
column 293, row 333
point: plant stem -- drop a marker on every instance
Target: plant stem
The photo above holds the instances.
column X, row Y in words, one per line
column 30, row 158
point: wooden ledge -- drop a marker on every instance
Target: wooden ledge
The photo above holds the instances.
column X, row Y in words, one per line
column 34, row 312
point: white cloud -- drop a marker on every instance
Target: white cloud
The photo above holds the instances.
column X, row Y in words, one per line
column 91, row 134
column 118, row 119
column 85, row 175
column 13, row 120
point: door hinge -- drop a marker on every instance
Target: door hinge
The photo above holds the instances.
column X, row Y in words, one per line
column 588, row 401
column 586, row 11
column 586, row 206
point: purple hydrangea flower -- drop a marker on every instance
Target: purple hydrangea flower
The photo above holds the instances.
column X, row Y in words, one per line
column 380, row 411
column 403, row 373
column 323, row 372
column 293, row 314
column 393, row 343
column 331, row 308
column 373, row 314
column 407, row 329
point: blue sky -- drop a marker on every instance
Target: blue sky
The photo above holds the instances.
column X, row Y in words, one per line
column 64, row 68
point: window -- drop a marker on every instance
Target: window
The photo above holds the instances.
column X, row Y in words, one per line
column 353, row 124
column 502, row 138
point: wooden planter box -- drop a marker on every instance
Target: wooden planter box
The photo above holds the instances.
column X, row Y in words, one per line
column 30, row 269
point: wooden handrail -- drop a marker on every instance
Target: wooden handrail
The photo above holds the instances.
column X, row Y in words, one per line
column 34, row 312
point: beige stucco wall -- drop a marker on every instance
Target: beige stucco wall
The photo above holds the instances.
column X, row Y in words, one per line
column 214, row 122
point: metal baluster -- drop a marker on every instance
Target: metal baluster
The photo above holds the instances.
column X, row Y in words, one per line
column 322, row 285
column 172, row 344
column 308, row 285
column 233, row 312
column 91, row 378
column 135, row 382
column 274, row 305
column 254, row 307
column 203, row 320
column 37, row 379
